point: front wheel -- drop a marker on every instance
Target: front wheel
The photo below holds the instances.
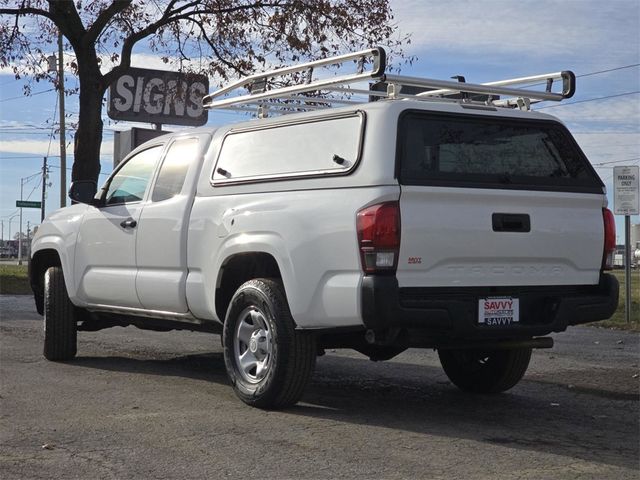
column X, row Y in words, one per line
column 268, row 361
column 485, row 371
column 59, row 318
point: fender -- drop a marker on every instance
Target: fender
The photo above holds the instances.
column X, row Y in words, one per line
column 200, row 283
column 59, row 232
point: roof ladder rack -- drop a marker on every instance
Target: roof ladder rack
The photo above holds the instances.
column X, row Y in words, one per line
column 308, row 87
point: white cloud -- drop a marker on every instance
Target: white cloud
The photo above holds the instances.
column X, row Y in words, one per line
column 603, row 147
column 41, row 147
column 620, row 114
column 525, row 29
column 149, row 60
column 139, row 60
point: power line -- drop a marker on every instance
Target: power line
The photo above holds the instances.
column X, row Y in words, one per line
column 31, row 95
column 617, row 145
column 13, row 132
column 31, row 156
column 616, row 161
column 590, row 100
column 11, row 214
column 69, row 168
column 609, row 70
column 22, row 130
column 35, row 187
column 34, row 156
column 592, row 73
column 34, row 175
column 53, row 122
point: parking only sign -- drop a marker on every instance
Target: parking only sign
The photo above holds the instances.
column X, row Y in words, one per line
column 626, row 190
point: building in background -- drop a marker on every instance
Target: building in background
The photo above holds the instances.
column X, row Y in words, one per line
column 618, row 256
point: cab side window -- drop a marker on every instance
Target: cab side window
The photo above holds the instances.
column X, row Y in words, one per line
column 130, row 182
column 181, row 155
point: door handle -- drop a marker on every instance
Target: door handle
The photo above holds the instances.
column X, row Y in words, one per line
column 128, row 223
column 511, row 222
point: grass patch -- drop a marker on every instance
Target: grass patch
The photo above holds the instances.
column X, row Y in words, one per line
column 618, row 319
column 14, row 280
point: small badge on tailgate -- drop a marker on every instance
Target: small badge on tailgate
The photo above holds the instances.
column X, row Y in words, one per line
column 498, row 311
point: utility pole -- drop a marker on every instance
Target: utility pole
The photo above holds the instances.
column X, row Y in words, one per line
column 44, row 188
column 20, row 234
column 10, row 219
column 63, row 146
column 28, row 240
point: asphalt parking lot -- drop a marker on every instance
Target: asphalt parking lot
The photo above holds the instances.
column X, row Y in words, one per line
column 137, row 404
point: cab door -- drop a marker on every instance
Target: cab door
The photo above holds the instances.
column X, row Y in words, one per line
column 105, row 255
column 161, row 242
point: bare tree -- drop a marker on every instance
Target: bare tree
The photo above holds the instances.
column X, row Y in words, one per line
column 222, row 38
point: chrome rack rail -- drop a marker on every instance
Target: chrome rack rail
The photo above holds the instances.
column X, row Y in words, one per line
column 306, row 87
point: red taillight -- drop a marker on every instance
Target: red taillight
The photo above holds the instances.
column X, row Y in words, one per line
column 609, row 239
column 379, row 237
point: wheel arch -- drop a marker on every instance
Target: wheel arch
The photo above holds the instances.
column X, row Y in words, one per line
column 38, row 265
column 239, row 268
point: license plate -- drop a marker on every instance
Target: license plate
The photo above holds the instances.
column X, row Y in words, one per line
column 498, row 311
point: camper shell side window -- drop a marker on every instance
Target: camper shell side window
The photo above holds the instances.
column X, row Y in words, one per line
column 317, row 147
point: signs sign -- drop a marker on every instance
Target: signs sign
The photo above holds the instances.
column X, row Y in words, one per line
column 157, row 96
column 626, row 190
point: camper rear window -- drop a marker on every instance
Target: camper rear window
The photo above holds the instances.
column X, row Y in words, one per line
column 491, row 152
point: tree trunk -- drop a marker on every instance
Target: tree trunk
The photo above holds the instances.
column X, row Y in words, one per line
column 88, row 138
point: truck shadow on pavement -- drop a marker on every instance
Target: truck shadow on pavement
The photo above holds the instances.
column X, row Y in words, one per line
column 537, row 415
column 208, row 367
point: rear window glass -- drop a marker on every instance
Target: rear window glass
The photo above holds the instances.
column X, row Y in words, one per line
column 330, row 146
column 490, row 151
column 174, row 169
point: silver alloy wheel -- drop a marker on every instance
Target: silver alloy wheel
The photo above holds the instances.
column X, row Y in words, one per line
column 252, row 345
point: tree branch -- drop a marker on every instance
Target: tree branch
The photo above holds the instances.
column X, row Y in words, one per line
column 169, row 17
column 26, row 11
column 103, row 19
column 66, row 17
column 215, row 50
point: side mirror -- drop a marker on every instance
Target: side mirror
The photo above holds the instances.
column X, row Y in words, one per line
column 83, row 191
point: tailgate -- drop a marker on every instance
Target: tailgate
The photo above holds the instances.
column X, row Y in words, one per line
column 477, row 237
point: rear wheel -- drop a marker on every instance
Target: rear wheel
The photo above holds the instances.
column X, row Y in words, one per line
column 268, row 361
column 59, row 318
column 485, row 371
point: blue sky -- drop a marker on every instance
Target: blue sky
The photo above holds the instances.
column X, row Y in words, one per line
column 484, row 40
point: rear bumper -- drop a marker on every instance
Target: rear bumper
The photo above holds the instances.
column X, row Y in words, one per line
column 451, row 313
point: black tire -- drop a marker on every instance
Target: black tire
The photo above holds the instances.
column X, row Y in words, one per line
column 485, row 371
column 259, row 306
column 60, row 333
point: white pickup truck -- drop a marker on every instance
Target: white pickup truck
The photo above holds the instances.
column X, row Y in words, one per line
column 425, row 221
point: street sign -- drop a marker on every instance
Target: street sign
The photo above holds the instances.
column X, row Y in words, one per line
column 626, row 190
column 158, row 96
column 27, row 204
